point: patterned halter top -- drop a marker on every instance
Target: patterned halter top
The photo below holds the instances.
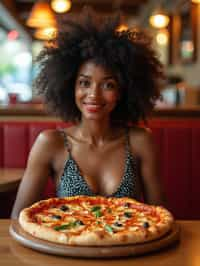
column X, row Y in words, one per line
column 72, row 183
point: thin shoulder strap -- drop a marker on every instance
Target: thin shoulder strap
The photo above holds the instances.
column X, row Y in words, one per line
column 128, row 150
column 66, row 143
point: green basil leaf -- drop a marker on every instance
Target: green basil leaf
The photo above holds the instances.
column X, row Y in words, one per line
column 95, row 208
column 62, row 227
column 108, row 228
column 68, row 226
column 98, row 213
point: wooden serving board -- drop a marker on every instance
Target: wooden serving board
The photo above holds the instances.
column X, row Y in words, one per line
column 44, row 246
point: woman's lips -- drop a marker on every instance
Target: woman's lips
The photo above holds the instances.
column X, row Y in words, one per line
column 93, row 107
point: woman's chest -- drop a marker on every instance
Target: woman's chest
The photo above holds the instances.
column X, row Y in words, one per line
column 101, row 169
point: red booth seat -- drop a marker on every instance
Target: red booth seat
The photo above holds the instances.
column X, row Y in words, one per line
column 178, row 143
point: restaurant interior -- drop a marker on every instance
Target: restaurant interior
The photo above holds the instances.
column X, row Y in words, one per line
column 26, row 26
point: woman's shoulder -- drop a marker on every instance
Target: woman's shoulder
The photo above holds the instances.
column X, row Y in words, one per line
column 56, row 137
column 49, row 136
column 141, row 139
column 140, row 132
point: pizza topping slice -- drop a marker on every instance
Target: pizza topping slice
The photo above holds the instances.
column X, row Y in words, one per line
column 109, row 228
column 69, row 225
column 128, row 214
column 64, row 208
column 56, row 217
column 146, row 225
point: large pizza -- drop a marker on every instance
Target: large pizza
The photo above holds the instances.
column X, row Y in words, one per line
column 95, row 221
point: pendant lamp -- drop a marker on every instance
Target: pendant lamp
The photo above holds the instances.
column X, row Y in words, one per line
column 41, row 16
column 45, row 34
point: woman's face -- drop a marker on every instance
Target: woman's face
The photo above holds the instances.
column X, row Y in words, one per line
column 96, row 91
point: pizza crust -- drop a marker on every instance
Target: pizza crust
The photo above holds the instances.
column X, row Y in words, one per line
column 94, row 239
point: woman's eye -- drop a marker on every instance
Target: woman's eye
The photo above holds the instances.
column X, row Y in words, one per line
column 109, row 86
column 84, row 83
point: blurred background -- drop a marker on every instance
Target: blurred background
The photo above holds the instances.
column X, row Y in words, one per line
column 27, row 25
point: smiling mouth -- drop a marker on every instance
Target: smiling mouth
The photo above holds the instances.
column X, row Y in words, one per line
column 93, row 107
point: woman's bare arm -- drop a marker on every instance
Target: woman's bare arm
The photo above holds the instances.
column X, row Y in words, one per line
column 36, row 174
column 145, row 148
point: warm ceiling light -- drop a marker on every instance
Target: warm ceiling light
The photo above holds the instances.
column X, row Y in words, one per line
column 41, row 15
column 196, row 1
column 159, row 19
column 46, row 34
column 61, row 6
column 122, row 27
column 162, row 38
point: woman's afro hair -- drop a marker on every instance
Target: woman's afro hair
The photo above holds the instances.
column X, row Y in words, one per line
column 127, row 54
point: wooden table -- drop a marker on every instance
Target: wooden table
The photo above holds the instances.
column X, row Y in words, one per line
column 10, row 178
column 185, row 253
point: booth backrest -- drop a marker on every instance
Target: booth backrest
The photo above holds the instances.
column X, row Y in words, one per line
column 178, row 144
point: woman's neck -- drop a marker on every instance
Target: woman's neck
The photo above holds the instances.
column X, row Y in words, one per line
column 96, row 133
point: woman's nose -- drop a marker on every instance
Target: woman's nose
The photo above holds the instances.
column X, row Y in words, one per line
column 94, row 91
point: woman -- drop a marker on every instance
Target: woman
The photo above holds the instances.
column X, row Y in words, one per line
column 105, row 82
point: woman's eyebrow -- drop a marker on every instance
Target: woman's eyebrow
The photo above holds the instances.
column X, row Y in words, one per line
column 109, row 77
column 83, row 75
column 106, row 77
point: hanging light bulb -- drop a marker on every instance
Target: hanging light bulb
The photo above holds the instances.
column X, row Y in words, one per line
column 61, row 6
column 196, row 1
column 46, row 34
column 159, row 19
column 41, row 15
column 162, row 37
